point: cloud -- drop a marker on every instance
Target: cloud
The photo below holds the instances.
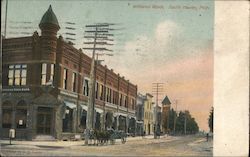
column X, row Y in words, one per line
column 186, row 68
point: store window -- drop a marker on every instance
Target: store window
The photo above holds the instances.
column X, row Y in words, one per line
column 17, row 75
column 7, row 115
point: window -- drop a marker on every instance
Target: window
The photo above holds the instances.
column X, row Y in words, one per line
column 17, row 75
column 86, row 87
column 133, row 103
column 113, row 97
column 52, row 68
column 96, row 90
column 120, row 99
column 101, row 91
column 107, row 94
column 125, row 101
column 74, row 82
column 44, row 72
column 65, row 78
column 110, row 95
column 7, row 114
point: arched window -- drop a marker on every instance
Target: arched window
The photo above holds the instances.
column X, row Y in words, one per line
column 7, row 114
column 21, row 114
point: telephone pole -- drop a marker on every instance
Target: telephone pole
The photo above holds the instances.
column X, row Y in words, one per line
column 98, row 33
column 185, row 123
column 5, row 24
column 157, row 90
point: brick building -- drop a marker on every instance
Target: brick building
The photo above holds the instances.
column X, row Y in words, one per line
column 45, row 87
column 166, row 104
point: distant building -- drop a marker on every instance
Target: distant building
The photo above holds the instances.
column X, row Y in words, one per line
column 140, row 113
column 158, row 113
column 46, row 88
column 165, row 114
column 148, row 115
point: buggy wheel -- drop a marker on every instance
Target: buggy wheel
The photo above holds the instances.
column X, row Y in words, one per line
column 123, row 140
column 112, row 141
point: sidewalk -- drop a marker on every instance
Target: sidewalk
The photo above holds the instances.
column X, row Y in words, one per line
column 57, row 143
column 63, row 144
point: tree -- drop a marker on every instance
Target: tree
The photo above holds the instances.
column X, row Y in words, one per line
column 191, row 125
column 211, row 120
column 172, row 115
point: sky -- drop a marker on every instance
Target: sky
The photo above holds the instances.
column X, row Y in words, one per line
column 157, row 41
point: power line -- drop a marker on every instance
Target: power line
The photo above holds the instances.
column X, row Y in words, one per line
column 94, row 32
column 157, row 89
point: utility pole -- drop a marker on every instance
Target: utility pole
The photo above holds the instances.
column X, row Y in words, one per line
column 185, row 123
column 157, row 90
column 96, row 33
column 175, row 117
column 5, row 25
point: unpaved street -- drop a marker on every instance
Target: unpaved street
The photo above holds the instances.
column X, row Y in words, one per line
column 166, row 146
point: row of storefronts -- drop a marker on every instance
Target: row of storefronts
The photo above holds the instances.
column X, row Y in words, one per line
column 45, row 84
column 58, row 118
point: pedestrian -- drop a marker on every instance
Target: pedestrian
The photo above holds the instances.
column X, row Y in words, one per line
column 207, row 137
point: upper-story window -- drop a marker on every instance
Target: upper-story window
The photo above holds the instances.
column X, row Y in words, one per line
column 86, row 87
column 107, row 94
column 133, row 103
column 17, row 75
column 101, row 92
column 125, row 101
column 74, row 82
column 52, row 69
column 113, row 97
column 110, row 95
column 45, row 69
column 65, row 78
column 96, row 90
column 44, row 72
column 120, row 101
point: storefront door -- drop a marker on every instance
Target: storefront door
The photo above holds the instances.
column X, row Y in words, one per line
column 44, row 120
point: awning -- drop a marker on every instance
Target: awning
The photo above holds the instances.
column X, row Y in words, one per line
column 70, row 104
column 121, row 114
column 98, row 110
column 139, row 122
column 84, row 107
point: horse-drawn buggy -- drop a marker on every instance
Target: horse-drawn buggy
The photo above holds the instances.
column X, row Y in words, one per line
column 107, row 136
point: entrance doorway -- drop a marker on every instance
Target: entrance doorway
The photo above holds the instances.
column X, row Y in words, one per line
column 44, row 120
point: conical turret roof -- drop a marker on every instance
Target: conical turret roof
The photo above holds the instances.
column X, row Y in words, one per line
column 49, row 18
column 166, row 101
